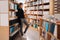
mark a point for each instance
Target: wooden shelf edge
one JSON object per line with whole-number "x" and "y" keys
{"x": 40, "y": 10}
{"x": 49, "y": 33}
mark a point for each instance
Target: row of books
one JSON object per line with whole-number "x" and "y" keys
{"x": 35, "y": 12}
{"x": 37, "y": 0}
{"x": 45, "y": 13}
{"x": 11, "y": 14}
{"x": 49, "y": 26}
{"x": 13, "y": 6}
{"x": 34, "y": 23}
{"x": 38, "y": 7}
{"x": 57, "y": 16}
{"x": 31, "y": 0}
{"x": 46, "y": 1}
{"x": 34, "y": 3}
{"x": 57, "y": 6}
{"x": 30, "y": 16}
{"x": 38, "y": 12}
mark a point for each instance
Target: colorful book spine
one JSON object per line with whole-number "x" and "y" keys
{"x": 47, "y": 26}
{"x": 35, "y": 25}
{"x": 15, "y": 6}
{"x": 52, "y": 27}
{"x": 12, "y": 29}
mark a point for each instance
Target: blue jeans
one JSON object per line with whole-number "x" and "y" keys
{"x": 23, "y": 20}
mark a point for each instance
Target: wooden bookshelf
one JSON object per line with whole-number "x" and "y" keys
{"x": 51, "y": 11}
{"x": 13, "y": 25}
{"x": 56, "y": 23}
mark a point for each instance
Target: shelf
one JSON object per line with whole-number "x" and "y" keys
{"x": 11, "y": 10}
{"x": 30, "y": 18}
{"x": 49, "y": 20}
{"x": 35, "y": 14}
{"x": 14, "y": 2}
{"x": 12, "y": 18}
{"x": 52, "y": 35}
{"x": 49, "y": 33}
{"x": 29, "y": 2}
{"x": 39, "y": 4}
{"x": 40, "y": 10}
{"x": 14, "y": 24}
{"x": 12, "y": 34}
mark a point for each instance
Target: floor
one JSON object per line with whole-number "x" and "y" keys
{"x": 30, "y": 35}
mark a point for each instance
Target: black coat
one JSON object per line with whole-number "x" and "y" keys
{"x": 20, "y": 13}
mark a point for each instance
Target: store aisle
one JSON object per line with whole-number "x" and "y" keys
{"x": 30, "y": 35}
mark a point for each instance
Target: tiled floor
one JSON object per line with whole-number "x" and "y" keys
{"x": 30, "y": 35}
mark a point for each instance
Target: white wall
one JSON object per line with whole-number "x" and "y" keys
{"x": 4, "y": 25}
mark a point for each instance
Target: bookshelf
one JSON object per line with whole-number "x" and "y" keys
{"x": 44, "y": 27}
{"x": 32, "y": 6}
{"x": 36, "y": 9}
{"x": 13, "y": 24}
{"x": 44, "y": 10}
